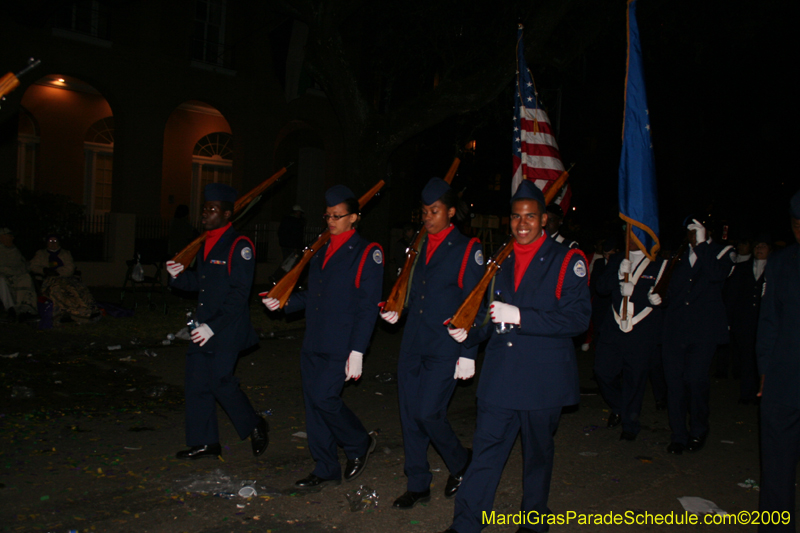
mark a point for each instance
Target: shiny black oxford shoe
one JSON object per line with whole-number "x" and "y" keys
{"x": 259, "y": 438}
{"x": 198, "y": 452}
{"x": 675, "y": 448}
{"x": 614, "y": 420}
{"x": 313, "y": 481}
{"x": 627, "y": 435}
{"x": 410, "y": 499}
{"x": 696, "y": 444}
{"x": 454, "y": 481}
{"x": 356, "y": 466}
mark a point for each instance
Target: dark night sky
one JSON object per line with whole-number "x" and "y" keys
{"x": 718, "y": 82}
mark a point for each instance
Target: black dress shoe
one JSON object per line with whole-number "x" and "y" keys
{"x": 661, "y": 405}
{"x": 410, "y": 499}
{"x": 454, "y": 481}
{"x": 614, "y": 420}
{"x": 675, "y": 448}
{"x": 313, "y": 481}
{"x": 627, "y": 435}
{"x": 356, "y": 466}
{"x": 696, "y": 444}
{"x": 259, "y": 438}
{"x": 198, "y": 452}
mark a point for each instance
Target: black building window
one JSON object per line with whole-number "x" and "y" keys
{"x": 208, "y": 39}
{"x": 86, "y": 17}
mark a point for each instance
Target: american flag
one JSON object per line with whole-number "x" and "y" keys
{"x": 535, "y": 150}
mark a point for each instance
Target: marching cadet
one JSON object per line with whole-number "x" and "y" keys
{"x": 694, "y": 325}
{"x": 530, "y": 372}
{"x": 224, "y": 276}
{"x": 555, "y": 217}
{"x": 341, "y": 304}
{"x": 626, "y": 346}
{"x": 778, "y": 352}
{"x": 447, "y": 268}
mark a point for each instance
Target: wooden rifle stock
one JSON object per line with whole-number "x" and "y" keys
{"x": 10, "y": 81}
{"x": 465, "y": 315}
{"x": 283, "y": 289}
{"x": 397, "y": 297}
{"x": 663, "y": 283}
{"x": 187, "y": 255}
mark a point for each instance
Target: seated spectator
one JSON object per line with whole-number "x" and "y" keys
{"x": 16, "y": 286}
{"x": 71, "y": 298}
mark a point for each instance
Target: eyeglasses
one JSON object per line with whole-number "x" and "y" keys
{"x": 335, "y": 218}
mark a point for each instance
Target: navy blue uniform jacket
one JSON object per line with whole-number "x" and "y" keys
{"x": 534, "y": 366}
{"x": 778, "y": 342}
{"x": 435, "y": 296}
{"x": 340, "y": 317}
{"x": 742, "y": 295}
{"x": 695, "y": 312}
{"x": 223, "y": 298}
{"x": 647, "y": 330}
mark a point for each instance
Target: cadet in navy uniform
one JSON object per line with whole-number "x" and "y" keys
{"x": 531, "y": 372}
{"x": 447, "y": 268}
{"x": 555, "y": 218}
{"x": 742, "y": 292}
{"x": 341, "y": 304}
{"x": 224, "y": 276}
{"x": 625, "y": 347}
{"x": 694, "y": 325}
{"x": 778, "y": 352}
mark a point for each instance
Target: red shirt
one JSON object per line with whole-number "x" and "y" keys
{"x": 212, "y": 236}
{"x": 435, "y": 240}
{"x": 336, "y": 242}
{"x": 523, "y": 254}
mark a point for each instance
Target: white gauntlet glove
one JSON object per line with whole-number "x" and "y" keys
{"x": 465, "y": 368}
{"x": 699, "y": 230}
{"x": 653, "y": 298}
{"x": 390, "y": 317}
{"x": 273, "y": 304}
{"x": 174, "y": 268}
{"x": 353, "y": 366}
{"x": 505, "y": 313}
{"x": 459, "y": 334}
{"x": 625, "y": 267}
{"x": 201, "y": 334}
{"x": 626, "y": 288}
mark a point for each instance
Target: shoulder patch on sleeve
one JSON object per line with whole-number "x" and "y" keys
{"x": 247, "y": 253}
{"x": 479, "y": 257}
{"x": 579, "y": 269}
{"x": 377, "y": 256}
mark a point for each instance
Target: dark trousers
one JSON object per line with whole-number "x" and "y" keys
{"x": 621, "y": 368}
{"x": 426, "y": 385}
{"x": 743, "y": 348}
{"x": 329, "y": 422}
{"x": 656, "y": 373}
{"x": 209, "y": 379}
{"x": 780, "y": 452}
{"x": 687, "y": 368}
{"x": 495, "y": 433}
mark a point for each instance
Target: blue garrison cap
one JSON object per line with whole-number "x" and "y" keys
{"x": 219, "y": 192}
{"x": 795, "y": 203}
{"x": 434, "y": 189}
{"x": 528, "y": 191}
{"x": 337, "y": 194}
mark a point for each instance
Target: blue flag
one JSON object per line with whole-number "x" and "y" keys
{"x": 638, "y": 197}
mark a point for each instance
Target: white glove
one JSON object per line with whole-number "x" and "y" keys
{"x": 626, "y": 288}
{"x": 699, "y": 230}
{"x": 272, "y": 303}
{"x": 653, "y": 298}
{"x": 459, "y": 334}
{"x": 174, "y": 268}
{"x": 625, "y": 267}
{"x": 353, "y": 366}
{"x": 201, "y": 334}
{"x": 465, "y": 368}
{"x": 390, "y": 317}
{"x": 506, "y": 313}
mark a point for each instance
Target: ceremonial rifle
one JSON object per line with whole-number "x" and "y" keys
{"x": 10, "y": 81}
{"x": 465, "y": 316}
{"x": 187, "y": 255}
{"x": 397, "y": 298}
{"x": 283, "y": 289}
